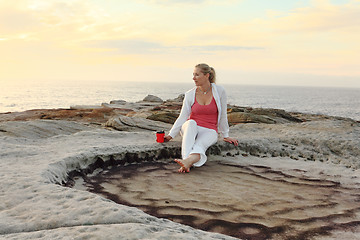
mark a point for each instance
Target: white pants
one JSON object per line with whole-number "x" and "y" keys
{"x": 196, "y": 139}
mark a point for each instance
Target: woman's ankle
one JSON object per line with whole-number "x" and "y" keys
{"x": 193, "y": 158}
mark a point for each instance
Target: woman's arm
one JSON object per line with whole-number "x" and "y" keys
{"x": 167, "y": 138}
{"x": 232, "y": 140}
{"x": 184, "y": 115}
{"x": 223, "y": 123}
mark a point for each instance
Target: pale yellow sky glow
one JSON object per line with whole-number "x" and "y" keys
{"x": 309, "y": 42}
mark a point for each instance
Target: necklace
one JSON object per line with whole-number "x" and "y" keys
{"x": 205, "y": 92}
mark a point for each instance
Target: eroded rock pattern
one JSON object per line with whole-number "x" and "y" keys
{"x": 244, "y": 201}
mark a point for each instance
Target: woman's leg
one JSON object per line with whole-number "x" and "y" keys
{"x": 196, "y": 140}
{"x": 189, "y": 132}
{"x": 205, "y": 138}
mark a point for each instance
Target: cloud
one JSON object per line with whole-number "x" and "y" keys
{"x": 187, "y": 3}
{"x": 49, "y": 19}
{"x": 128, "y": 46}
{"x": 15, "y": 18}
{"x": 178, "y": 1}
{"x": 219, "y": 48}
{"x": 11, "y": 22}
{"x": 138, "y": 46}
{"x": 321, "y": 38}
{"x": 172, "y": 2}
{"x": 321, "y": 16}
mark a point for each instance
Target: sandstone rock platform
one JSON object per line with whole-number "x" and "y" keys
{"x": 296, "y": 177}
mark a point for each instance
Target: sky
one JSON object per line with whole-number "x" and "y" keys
{"x": 253, "y": 42}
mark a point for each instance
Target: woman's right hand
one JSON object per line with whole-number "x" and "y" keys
{"x": 167, "y": 138}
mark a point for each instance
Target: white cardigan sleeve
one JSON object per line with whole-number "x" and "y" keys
{"x": 223, "y": 125}
{"x": 184, "y": 114}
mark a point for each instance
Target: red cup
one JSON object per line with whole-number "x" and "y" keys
{"x": 160, "y": 136}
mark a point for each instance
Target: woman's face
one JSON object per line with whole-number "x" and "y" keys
{"x": 200, "y": 78}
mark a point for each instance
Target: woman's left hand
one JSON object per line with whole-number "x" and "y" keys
{"x": 167, "y": 138}
{"x": 232, "y": 140}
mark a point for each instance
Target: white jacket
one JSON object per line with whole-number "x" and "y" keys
{"x": 221, "y": 103}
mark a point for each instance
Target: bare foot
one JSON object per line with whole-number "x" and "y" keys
{"x": 181, "y": 170}
{"x": 187, "y": 163}
{"x": 184, "y": 167}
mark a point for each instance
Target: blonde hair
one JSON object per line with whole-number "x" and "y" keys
{"x": 205, "y": 69}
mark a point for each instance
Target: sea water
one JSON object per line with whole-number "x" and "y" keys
{"x": 344, "y": 102}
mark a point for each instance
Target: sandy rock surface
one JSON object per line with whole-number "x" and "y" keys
{"x": 33, "y": 206}
{"x": 40, "y": 149}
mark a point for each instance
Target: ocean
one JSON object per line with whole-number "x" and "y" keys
{"x": 343, "y": 102}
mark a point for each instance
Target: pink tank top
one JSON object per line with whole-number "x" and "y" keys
{"x": 205, "y": 115}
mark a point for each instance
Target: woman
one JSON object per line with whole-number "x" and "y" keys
{"x": 202, "y": 116}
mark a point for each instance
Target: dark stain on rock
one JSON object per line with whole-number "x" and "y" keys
{"x": 274, "y": 204}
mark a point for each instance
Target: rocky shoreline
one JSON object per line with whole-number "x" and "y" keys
{"x": 277, "y": 132}
{"x": 46, "y": 146}
{"x": 151, "y": 108}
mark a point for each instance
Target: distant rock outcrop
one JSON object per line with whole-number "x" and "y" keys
{"x": 152, "y": 98}
{"x": 180, "y": 98}
{"x": 119, "y": 102}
